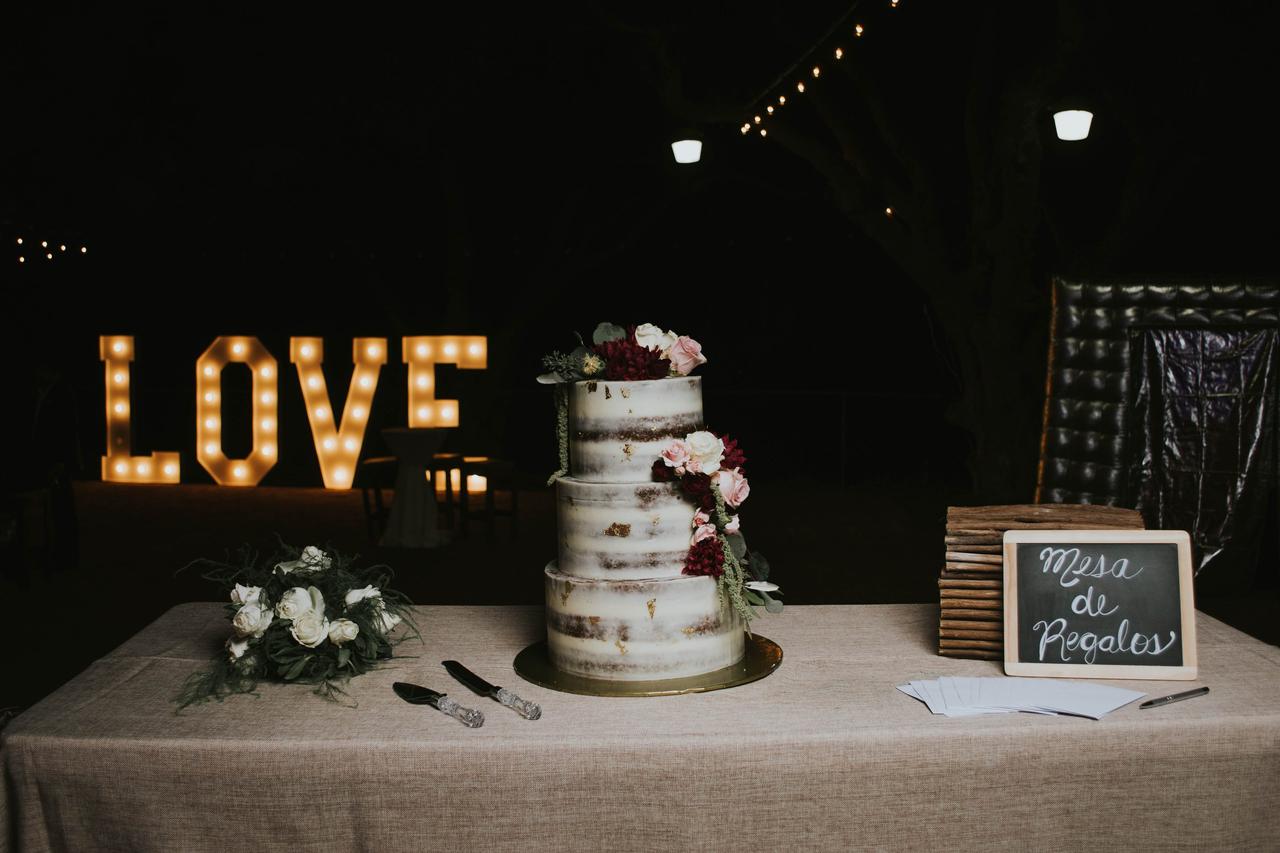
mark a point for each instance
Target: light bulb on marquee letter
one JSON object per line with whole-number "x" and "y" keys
{"x": 116, "y": 351}
{"x": 422, "y": 354}
{"x": 338, "y": 448}
{"x": 250, "y": 351}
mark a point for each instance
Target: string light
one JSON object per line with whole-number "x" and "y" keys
{"x": 118, "y": 465}
{"x": 859, "y": 30}
{"x": 468, "y": 353}
{"x": 888, "y": 211}
{"x": 338, "y": 447}
{"x": 19, "y": 241}
{"x": 226, "y": 350}
{"x": 764, "y": 132}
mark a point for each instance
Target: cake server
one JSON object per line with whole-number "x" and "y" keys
{"x": 501, "y": 695}
{"x": 415, "y": 694}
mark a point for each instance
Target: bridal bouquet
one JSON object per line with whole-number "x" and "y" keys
{"x": 306, "y": 616}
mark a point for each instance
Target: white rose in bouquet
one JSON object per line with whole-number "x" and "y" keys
{"x": 343, "y": 631}
{"x": 312, "y": 559}
{"x": 310, "y": 629}
{"x": 387, "y": 621}
{"x": 294, "y": 603}
{"x": 382, "y": 619}
{"x": 251, "y": 620}
{"x": 246, "y": 595}
{"x": 355, "y": 596}
{"x": 236, "y": 648}
{"x": 705, "y": 452}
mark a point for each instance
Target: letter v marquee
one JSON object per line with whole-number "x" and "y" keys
{"x": 338, "y": 449}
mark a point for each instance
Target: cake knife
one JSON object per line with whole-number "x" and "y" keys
{"x": 417, "y": 695}
{"x": 501, "y": 695}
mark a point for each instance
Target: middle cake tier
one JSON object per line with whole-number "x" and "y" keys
{"x": 622, "y": 531}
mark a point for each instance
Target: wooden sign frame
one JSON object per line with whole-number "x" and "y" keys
{"x": 1186, "y": 596}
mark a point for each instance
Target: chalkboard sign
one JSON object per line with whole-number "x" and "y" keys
{"x": 1099, "y": 604}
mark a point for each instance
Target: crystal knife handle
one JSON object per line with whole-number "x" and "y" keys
{"x": 528, "y": 710}
{"x": 467, "y": 716}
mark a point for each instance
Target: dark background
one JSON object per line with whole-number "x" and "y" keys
{"x": 289, "y": 171}
{"x": 372, "y": 171}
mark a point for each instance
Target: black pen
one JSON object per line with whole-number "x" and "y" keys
{"x": 1174, "y": 697}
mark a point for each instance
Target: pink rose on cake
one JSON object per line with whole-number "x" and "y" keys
{"x": 686, "y": 354}
{"x": 733, "y": 487}
{"x": 704, "y": 531}
{"x": 676, "y": 454}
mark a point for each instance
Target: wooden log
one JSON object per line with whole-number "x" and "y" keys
{"x": 949, "y": 603}
{"x": 1045, "y": 513}
{"x": 972, "y": 547}
{"x": 970, "y": 557}
{"x": 974, "y": 567}
{"x": 993, "y": 542}
{"x": 961, "y": 574}
{"x": 971, "y": 624}
{"x": 989, "y": 594}
{"x": 953, "y": 634}
{"x": 955, "y": 611}
{"x": 984, "y": 583}
{"x": 971, "y": 644}
{"x": 982, "y": 534}
{"x": 971, "y": 654}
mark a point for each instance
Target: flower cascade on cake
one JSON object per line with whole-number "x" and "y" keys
{"x": 616, "y": 353}
{"x": 709, "y": 469}
{"x": 308, "y": 616}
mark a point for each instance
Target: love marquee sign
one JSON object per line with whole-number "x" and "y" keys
{"x": 338, "y": 437}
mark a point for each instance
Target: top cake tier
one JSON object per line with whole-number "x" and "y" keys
{"x": 618, "y": 429}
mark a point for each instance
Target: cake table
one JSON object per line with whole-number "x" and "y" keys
{"x": 823, "y": 754}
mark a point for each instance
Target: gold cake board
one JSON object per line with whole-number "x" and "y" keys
{"x": 762, "y": 657}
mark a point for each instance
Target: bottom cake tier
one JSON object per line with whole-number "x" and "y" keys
{"x": 639, "y": 630}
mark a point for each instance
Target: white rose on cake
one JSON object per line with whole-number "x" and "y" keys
{"x": 705, "y": 452}
{"x": 652, "y": 337}
{"x": 343, "y": 631}
{"x": 251, "y": 620}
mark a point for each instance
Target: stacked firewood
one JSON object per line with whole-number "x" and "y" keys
{"x": 971, "y": 587}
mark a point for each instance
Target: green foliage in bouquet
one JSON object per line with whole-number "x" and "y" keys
{"x": 306, "y": 616}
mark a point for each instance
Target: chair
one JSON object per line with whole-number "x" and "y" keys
{"x": 499, "y": 474}
{"x": 1084, "y": 448}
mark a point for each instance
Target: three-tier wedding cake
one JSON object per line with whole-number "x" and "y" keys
{"x": 639, "y": 590}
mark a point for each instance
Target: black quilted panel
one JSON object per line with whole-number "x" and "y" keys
{"x": 1083, "y": 447}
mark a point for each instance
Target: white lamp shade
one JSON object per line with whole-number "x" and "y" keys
{"x": 687, "y": 150}
{"x": 1072, "y": 125}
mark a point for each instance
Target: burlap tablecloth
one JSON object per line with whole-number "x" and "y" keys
{"x": 824, "y": 754}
